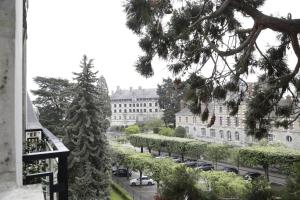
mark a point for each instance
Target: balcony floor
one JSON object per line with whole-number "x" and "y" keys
{"x": 9, "y": 191}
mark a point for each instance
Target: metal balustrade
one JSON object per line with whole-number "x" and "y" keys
{"x": 54, "y": 150}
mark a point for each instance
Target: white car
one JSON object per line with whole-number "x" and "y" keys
{"x": 145, "y": 181}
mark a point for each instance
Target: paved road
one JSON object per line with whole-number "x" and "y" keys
{"x": 136, "y": 192}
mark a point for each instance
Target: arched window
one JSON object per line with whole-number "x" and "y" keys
{"x": 229, "y": 136}
{"x": 237, "y": 136}
{"x": 221, "y": 132}
{"x": 212, "y": 133}
{"x": 203, "y": 132}
{"x": 289, "y": 138}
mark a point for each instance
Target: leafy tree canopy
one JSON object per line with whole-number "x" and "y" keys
{"x": 170, "y": 96}
{"x": 53, "y": 97}
{"x": 208, "y": 35}
{"x": 132, "y": 129}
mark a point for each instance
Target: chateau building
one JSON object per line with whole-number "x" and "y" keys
{"x": 231, "y": 129}
{"x": 134, "y": 106}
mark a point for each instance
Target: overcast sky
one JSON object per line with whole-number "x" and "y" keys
{"x": 61, "y": 31}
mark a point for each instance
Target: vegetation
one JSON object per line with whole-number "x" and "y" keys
{"x": 292, "y": 189}
{"x": 175, "y": 180}
{"x": 132, "y": 129}
{"x": 153, "y": 125}
{"x": 216, "y": 152}
{"x": 170, "y": 96}
{"x": 210, "y": 36}
{"x": 267, "y": 156}
{"x": 166, "y": 131}
{"x": 89, "y": 159}
{"x": 180, "y": 132}
{"x": 118, "y": 193}
{"x": 103, "y": 101}
{"x": 53, "y": 97}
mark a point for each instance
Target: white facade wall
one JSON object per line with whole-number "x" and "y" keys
{"x": 128, "y": 110}
{"x": 230, "y": 129}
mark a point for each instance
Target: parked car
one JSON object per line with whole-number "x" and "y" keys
{"x": 122, "y": 173}
{"x": 191, "y": 163}
{"x": 205, "y": 166}
{"x": 231, "y": 169}
{"x": 252, "y": 175}
{"x": 145, "y": 181}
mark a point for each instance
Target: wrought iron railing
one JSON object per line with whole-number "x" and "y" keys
{"x": 51, "y": 165}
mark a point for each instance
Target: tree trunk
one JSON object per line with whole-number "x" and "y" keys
{"x": 142, "y": 149}
{"x": 149, "y": 149}
{"x": 141, "y": 174}
{"x": 182, "y": 157}
{"x": 169, "y": 154}
{"x": 127, "y": 173}
{"x": 159, "y": 152}
{"x": 266, "y": 168}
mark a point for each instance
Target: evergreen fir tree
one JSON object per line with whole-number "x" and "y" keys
{"x": 104, "y": 100}
{"x": 89, "y": 161}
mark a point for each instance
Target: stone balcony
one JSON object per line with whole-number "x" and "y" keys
{"x": 9, "y": 190}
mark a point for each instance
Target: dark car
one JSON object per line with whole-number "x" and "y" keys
{"x": 205, "y": 166}
{"x": 122, "y": 173}
{"x": 231, "y": 169}
{"x": 191, "y": 163}
{"x": 252, "y": 175}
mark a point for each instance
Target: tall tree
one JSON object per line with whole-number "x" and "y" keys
{"x": 89, "y": 160}
{"x": 53, "y": 97}
{"x": 208, "y": 35}
{"x": 169, "y": 99}
{"x": 104, "y": 100}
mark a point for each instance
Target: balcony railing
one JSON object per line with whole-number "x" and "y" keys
{"x": 50, "y": 153}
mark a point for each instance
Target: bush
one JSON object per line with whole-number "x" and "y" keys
{"x": 120, "y": 191}
{"x": 132, "y": 129}
{"x": 180, "y": 132}
{"x": 153, "y": 123}
{"x": 156, "y": 130}
{"x": 166, "y": 131}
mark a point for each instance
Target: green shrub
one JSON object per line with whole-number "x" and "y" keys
{"x": 166, "y": 131}
{"x": 120, "y": 191}
{"x": 132, "y": 129}
{"x": 156, "y": 130}
{"x": 180, "y": 132}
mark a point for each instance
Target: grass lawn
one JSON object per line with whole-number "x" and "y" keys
{"x": 114, "y": 195}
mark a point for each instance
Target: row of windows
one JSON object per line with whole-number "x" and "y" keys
{"x": 271, "y": 138}
{"x": 212, "y": 133}
{"x": 228, "y": 121}
{"x": 136, "y": 110}
{"x": 136, "y": 105}
{"x": 125, "y": 117}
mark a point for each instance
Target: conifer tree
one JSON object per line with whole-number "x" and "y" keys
{"x": 104, "y": 100}
{"x": 89, "y": 160}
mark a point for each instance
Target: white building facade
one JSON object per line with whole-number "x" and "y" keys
{"x": 231, "y": 129}
{"x": 134, "y": 106}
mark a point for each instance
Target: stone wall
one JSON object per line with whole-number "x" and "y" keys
{"x": 7, "y": 85}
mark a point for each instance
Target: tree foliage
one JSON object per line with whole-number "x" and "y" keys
{"x": 180, "y": 132}
{"x": 267, "y": 156}
{"x": 292, "y": 189}
{"x": 209, "y": 36}
{"x": 103, "y": 100}
{"x": 132, "y": 129}
{"x": 89, "y": 159}
{"x": 170, "y": 95}
{"x": 53, "y": 97}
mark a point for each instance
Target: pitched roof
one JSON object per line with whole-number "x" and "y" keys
{"x": 32, "y": 121}
{"x": 134, "y": 93}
